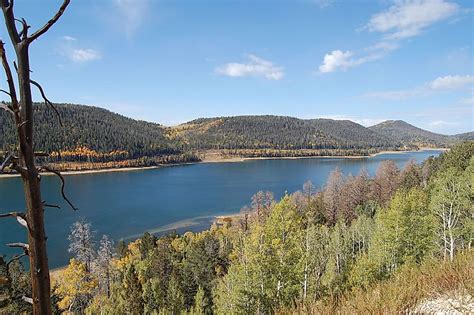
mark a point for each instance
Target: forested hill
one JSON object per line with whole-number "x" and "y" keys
{"x": 408, "y": 134}
{"x": 95, "y": 134}
{"x": 90, "y": 127}
{"x": 465, "y": 136}
{"x": 278, "y": 132}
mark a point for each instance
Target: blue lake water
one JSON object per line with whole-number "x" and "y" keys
{"x": 185, "y": 197}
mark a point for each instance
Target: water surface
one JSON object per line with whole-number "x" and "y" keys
{"x": 186, "y": 197}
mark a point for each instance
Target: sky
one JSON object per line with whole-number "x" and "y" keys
{"x": 173, "y": 61}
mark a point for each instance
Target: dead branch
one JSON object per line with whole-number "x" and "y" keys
{"x": 10, "y": 214}
{"x": 14, "y": 258}
{"x": 7, "y": 93}
{"x": 6, "y": 162}
{"x": 27, "y": 299}
{"x": 19, "y": 216}
{"x": 11, "y": 161}
{"x": 47, "y": 205}
{"x": 22, "y": 124}
{"x": 8, "y": 73}
{"x": 63, "y": 183}
{"x": 24, "y": 31}
{"x": 46, "y": 100}
{"x": 7, "y": 8}
{"x": 24, "y": 246}
{"x": 6, "y": 108}
{"x": 42, "y": 154}
{"x": 50, "y": 23}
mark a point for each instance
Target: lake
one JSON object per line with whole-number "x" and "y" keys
{"x": 124, "y": 205}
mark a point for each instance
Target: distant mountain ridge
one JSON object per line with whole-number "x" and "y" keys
{"x": 278, "y": 132}
{"x": 407, "y": 134}
{"x": 103, "y": 131}
{"x": 465, "y": 136}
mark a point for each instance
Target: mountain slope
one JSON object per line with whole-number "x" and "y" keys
{"x": 114, "y": 137}
{"x": 278, "y": 132}
{"x": 92, "y": 127}
{"x": 465, "y": 136}
{"x": 411, "y": 135}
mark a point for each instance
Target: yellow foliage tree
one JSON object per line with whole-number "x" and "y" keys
{"x": 75, "y": 286}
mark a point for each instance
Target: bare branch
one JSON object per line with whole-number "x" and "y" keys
{"x": 10, "y": 214}
{"x": 27, "y": 299}
{"x": 46, "y": 100}
{"x": 8, "y": 73}
{"x": 7, "y": 8}
{"x": 24, "y": 246}
{"x": 50, "y": 23}
{"x": 6, "y": 162}
{"x": 7, "y": 93}
{"x": 24, "y": 31}
{"x": 42, "y": 154}
{"x": 63, "y": 183}
{"x": 5, "y": 107}
{"x": 11, "y": 161}
{"x": 16, "y": 257}
{"x": 19, "y": 216}
{"x": 22, "y": 124}
{"x": 47, "y": 205}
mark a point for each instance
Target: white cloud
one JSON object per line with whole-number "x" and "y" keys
{"x": 337, "y": 59}
{"x": 451, "y": 82}
{"x": 82, "y": 55}
{"x": 405, "y": 19}
{"x": 410, "y": 17}
{"x": 323, "y": 3}
{"x": 69, "y": 47}
{"x": 68, "y": 38}
{"x": 383, "y": 46}
{"x": 255, "y": 66}
{"x": 334, "y": 60}
{"x": 131, "y": 14}
{"x": 446, "y": 83}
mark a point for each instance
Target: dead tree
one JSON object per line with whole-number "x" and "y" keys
{"x": 23, "y": 161}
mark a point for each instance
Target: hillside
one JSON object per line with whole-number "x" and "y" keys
{"x": 465, "y": 136}
{"x": 411, "y": 135}
{"x": 278, "y": 132}
{"x": 92, "y": 134}
{"x": 91, "y": 127}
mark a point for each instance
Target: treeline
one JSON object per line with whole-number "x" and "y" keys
{"x": 280, "y": 133}
{"x": 106, "y": 135}
{"x": 272, "y": 153}
{"x": 411, "y": 135}
{"x": 95, "y": 135}
{"x": 139, "y": 162}
{"x": 92, "y": 135}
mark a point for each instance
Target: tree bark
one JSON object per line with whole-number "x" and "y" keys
{"x": 39, "y": 269}
{"x": 22, "y": 109}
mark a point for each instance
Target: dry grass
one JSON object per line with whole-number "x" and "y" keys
{"x": 406, "y": 289}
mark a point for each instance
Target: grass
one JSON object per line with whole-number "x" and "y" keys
{"x": 407, "y": 288}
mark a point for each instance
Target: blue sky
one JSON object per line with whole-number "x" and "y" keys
{"x": 173, "y": 61}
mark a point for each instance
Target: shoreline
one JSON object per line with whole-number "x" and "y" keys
{"x": 226, "y": 160}
{"x": 181, "y": 224}
{"x": 243, "y": 159}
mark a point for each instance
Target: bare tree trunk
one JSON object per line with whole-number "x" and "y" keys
{"x": 22, "y": 110}
{"x": 39, "y": 269}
